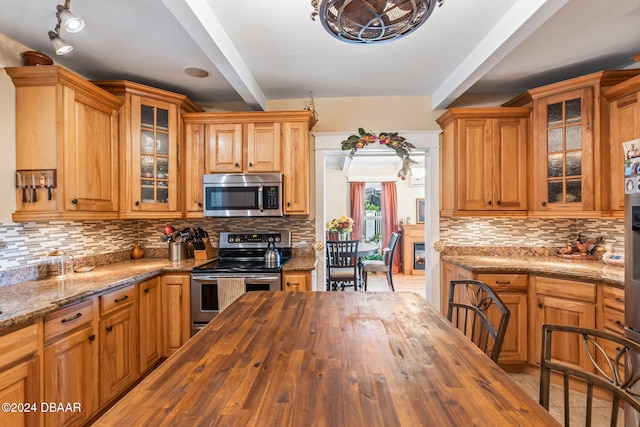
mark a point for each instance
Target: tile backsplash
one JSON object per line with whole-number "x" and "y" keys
{"x": 26, "y": 244}
{"x": 530, "y": 232}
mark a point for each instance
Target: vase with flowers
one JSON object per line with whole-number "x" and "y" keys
{"x": 342, "y": 226}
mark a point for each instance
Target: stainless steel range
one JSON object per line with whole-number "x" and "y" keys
{"x": 241, "y": 256}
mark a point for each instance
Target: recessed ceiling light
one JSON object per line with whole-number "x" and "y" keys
{"x": 196, "y": 72}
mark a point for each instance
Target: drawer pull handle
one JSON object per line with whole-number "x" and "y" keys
{"x": 121, "y": 299}
{"x": 92, "y": 337}
{"x": 498, "y": 282}
{"x": 109, "y": 328}
{"x": 71, "y": 319}
{"x": 618, "y": 299}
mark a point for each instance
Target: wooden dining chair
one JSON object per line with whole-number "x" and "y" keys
{"x": 342, "y": 264}
{"x": 479, "y": 313}
{"x": 614, "y": 368}
{"x": 385, "y": 266}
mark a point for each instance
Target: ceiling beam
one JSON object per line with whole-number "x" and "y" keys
{"x": 524, "y": 17}
{"x": 199, "y": 21}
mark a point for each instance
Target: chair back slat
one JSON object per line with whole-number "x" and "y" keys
{"x": 615, "y": 368}
{"x": 472, "y": 306}
{"x": 341, "y": 255}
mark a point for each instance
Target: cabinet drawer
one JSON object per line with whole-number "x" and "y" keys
{"x": 613, "y": 297}
{"x": 505, "y": 282}
{"x": 18, "y": 344}
{"x": 116, "y": 299}
{"x": 561, "y": 288}
{"x": 613, "y": 320}
{"x": 68, "y": 319}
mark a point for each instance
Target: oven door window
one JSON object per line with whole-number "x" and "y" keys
{"x": 231, "y": 198}
{"x": 209, "y": 299}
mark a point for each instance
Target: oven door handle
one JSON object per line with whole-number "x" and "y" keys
{"x": 260, "y": 204}
{"x": 252, "y": 278}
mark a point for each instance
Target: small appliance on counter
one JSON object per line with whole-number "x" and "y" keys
{"x": 242, "y": 255}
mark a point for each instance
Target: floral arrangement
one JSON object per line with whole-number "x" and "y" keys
{"x": 389, "y": 139}
{"x": 343, "y": 224}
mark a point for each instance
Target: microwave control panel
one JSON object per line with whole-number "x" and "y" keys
{"x": 271, "y": 197}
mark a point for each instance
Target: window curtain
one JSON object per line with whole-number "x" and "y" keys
{"x": 389, "y": 202}
{"x": 356, "y": 195}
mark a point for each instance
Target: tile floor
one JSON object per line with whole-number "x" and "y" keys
{"x": 529, "y": 383}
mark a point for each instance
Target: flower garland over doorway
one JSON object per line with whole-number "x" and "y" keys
{"x": 388, "y": 139}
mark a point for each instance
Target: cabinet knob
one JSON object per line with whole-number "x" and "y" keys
{"x": 199, "y": 204}
{"x": 543, "y": 203}
{"x": 137, "y": 202}
{"x": 146, "y": 291}
{"x": 288, "y": 284}
{"x": 109, "y": 328}
{"x": 288, "y": 203}
{"x": 250, "y": 164}
{"x": 539, "y": 305}
{"x": 74, "y": 201}
{"x": 489, "y": 203}
{"x": 92, "y": 337}
{"x": 237, "y": 165}
{"x": 498, "y": 203}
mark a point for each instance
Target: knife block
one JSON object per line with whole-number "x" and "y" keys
{"x": 206, "y": 253}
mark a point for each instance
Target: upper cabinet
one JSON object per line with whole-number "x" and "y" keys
{"x": 250, "y": 142}
{"x": 570, "y": 145}
{"x": 484, "y": 161}
{"x": 151, "y": 140}
{"x": 67, "y": 140}
{"x": 624, "y": 125}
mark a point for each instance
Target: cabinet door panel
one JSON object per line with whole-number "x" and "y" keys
{"x": 175, "y": 312}
{"x": 625, "y": 126}
{"x": 475, "y": 160}
{"x": 194, "y": 169}
{"x": 21, "y": 384}
{"x": 71, "y": 375}
{"x": 263, "y": 147}
{"x": 149, "y": 323}
{"x": 514, "y": 346}
{"x": 224, "y": 148}
{"x": 118, "y": 353}
{"x": 296, "y": 168}
{"x": 296, "y": 281}
{"x": 510, "y": 164}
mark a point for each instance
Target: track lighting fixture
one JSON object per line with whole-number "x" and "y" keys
{"x": 71, "y": 23}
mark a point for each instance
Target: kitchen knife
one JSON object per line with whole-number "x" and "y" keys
{"x": 21, "y": 185}
{"x": 49, "y": 195}
{"x": 34, "y": 198}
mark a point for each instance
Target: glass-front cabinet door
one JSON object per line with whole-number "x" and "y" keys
{"x": 564, "y": 152}
{"x": 154, "y": 180}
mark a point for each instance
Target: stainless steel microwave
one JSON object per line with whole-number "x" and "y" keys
{"x": 242, "y": 195}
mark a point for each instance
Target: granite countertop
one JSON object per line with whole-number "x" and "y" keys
{"x": 567, "y": 268}
{"x": 22, "y": 302}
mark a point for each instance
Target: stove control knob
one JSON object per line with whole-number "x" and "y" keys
{"x": 237, "y": 239}
{"x": 230, "y": 239}
{"x": 270, "y": 239}
{"x": 278, "y": 239}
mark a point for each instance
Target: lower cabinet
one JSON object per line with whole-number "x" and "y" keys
{"x": 149, "y": 323}
{"x": 563, "y": 302}
{"x": 20, "y": 376}
{"x": 176, "y": 314}
{"x": 118, "y": 342}
{"x": 451, "y": 272}
{"x": 297, "y": 281}
{"x": 71, "y": 363}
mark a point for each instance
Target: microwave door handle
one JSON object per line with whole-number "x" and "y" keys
{"x": 260, "y": 205}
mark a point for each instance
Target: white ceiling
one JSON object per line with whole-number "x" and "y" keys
{"x": 261, "y": 50}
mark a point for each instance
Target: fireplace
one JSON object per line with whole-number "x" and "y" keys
{"x": 419, "y": 256}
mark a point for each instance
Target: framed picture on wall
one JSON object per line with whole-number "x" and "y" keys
{"x": 419, "y": 211}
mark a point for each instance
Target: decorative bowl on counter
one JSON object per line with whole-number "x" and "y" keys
{"x": 612, "y": 258}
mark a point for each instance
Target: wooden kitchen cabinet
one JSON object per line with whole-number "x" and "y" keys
{"x": 151, "y": 144}
{"x": 624, "y": 125}
{"x": 149, "y": 323}
{"x": 297, "y": 281}
{"x": 570, "y": 145}
{"x": 118, "y": 338}
{"x": 20, "y": 374}
{"x": 67, "y": 125}
{"x": 71, "y": 363}
{"x": 512, "y": 290}
{"x": 484, "y": 161}
{"x": 250, "y": 142}
{"x": 176, "y": 314}
{"x": 562, "y": 302}
{"x": 451, "y": 272}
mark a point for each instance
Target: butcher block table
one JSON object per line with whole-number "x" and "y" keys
{"x": 328, "y": 359}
